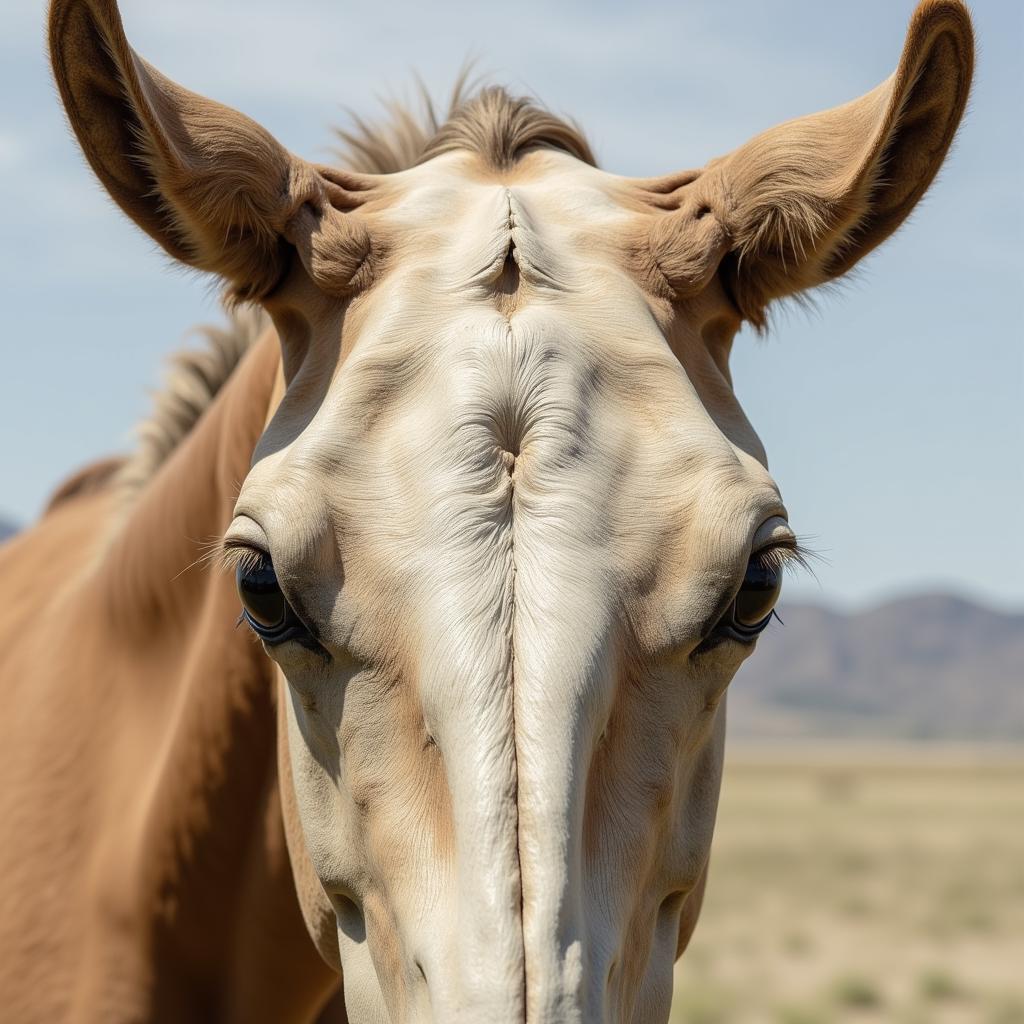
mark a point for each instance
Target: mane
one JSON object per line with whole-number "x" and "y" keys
{"x": 486, "y": 121}
{"x": 193, "y": 379}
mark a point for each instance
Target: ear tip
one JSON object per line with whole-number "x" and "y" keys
{"x": 942, "y": 31}
{"x": 56, "y": 19}
{"x": 63, "y": 14}
{"x": 106, "y": 12}
{"x": 100, "y": 6}
{"x": 932, "y": 17}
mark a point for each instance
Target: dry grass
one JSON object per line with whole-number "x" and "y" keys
{"x": 860, "y": 886}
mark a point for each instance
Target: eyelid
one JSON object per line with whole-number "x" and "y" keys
{"x": 245, "y": 532}
{"x": 773, "y": 533}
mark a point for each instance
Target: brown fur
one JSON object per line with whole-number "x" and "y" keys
{"x": 501, "y": 128}
{"x": 800, "y": 204}
{"x": 161, "y": 888}
{"x": 97, "y": 476}
{"x": 487, "y": 121}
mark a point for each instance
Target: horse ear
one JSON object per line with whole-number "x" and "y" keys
{"x": 215, "y": 189}
{"x": 803, "y": 202}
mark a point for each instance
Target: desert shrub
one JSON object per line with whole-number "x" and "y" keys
{"x": 856, "y": 992}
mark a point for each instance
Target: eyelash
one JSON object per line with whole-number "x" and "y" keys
{"x": 233, "y": 557}
{"x": 776, "y": 559}
{"x": 786, "y": 558}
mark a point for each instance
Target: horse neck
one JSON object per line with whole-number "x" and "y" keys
{"x": 159, "y": 560}
{"x": 212, "y": 878}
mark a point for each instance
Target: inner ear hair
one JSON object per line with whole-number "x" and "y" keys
{"x": 806, "y": 200}
{"x": 688, "y": 244}
{"x": 211, "y": 186}
{"x": 334, "y": 248}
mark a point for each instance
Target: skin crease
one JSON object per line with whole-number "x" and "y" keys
{"x": 491, "y": 446}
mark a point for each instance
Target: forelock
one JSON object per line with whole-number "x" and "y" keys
{"x": 488, "y": 122}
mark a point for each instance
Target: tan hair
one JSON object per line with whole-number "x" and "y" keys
{"x": 487, "y": 121}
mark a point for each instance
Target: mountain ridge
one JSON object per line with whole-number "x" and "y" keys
{"x": 919, "y": 667}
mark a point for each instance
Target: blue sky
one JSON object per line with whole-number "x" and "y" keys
{"x": 892, "y": 414}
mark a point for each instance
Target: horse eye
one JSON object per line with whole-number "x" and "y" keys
{"x": 761, "y": 587}
{"x": 262, "y": 600}
{"x": 747, "y": 615}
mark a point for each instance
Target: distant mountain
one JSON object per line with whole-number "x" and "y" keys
{"x": 7, "y": 529}
{"x": 927, "y": 667}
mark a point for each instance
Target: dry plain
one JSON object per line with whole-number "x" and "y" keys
{"x": 852, "y": 884}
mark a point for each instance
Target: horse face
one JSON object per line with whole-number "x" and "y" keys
{"x": 508, "y": 533}
{"x": 511, "y": 501}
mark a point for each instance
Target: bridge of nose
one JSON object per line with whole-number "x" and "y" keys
{"x": 525, "y": 678}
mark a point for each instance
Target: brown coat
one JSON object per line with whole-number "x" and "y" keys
{"x": 144, "y": 723}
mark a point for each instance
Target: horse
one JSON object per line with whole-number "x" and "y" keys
{"x": 438, "y": 717}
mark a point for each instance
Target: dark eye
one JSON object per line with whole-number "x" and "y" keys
{"x": 264, "y": 605}
{"x": 751, "y": 609}
{"x": 262, "y": 600}
{"x": 758, "y": 594}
